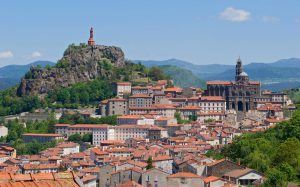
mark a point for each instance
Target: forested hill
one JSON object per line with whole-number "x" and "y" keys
{"x": 182, "y": 77}
{"x": 275, "y": 152}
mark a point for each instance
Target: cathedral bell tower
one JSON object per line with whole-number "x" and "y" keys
{"x": 238, "y": 69}
{"x": 240, "y": 76}
{"x": 91, "y": 41}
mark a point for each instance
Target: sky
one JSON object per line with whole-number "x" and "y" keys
{"x": 198, "y": 31}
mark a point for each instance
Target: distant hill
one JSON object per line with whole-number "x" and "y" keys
{"x": 283, "y": 73}
{"x": 11, "y": 75}
{"x": 182, "y": 77}
{"x": 202, "y": 71}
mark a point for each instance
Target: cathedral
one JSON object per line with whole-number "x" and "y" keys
{"x": 241, "y": 94}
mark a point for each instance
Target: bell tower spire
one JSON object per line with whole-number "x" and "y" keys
{"x": 91, "y": 41}
{"x": 238, "y": 68}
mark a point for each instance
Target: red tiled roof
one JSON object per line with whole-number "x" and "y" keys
{"x": 89, "y": 126}
{"x": 124, "y": 83}
{"x": 41, "y": 134}
{"x": 212, "y": 98}
{"x": 218, "y": 82}
{"x": 211, "y": 179}
{"x": 184, "y": 175}
{"x": 139, "y": 96}
{"x": 216, "y": 162}
{"x": 174, "y": 89}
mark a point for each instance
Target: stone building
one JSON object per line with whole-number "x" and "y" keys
{"x": 114, "y": 106}
{"x": 239, "y": 94}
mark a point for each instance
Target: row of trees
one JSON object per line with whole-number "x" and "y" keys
{"x": 275, "y": 152}
{"x": 78, "y": 119}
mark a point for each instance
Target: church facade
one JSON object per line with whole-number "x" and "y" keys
{"x": 241, "y": 94}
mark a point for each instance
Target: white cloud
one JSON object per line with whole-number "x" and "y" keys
{"x": 270, "y": 19}
{"x": 6, "y": 54}
{"x": 235, "y": 15}
{"x": 36, "y": 54}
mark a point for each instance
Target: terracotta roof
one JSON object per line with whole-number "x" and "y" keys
{"x": 238, "y": 172}
{"x": 89, "y": 126}
{"x": 216, "y": 162}
{"x": 184, "y": 175}
{"x": 139, "y": 96}
{"x": 254, "y": 82}
{"x": 190, "y": 108}
{"x": 38, "y": 180}
{"x": 41, "y": 134}
{"x": 62, "y": 125}
{"x": 117, "y": 99}
{"x": 218, "y": 82}
{"x": 211, "y": 179}
{"x": 130, "y": 117}
{"x": 174, "y": 89}
{"x": 129, "y": 184}
{"x": 88, "y": 178}
{"x": 212, "y": 98}
{"x": 124, "y": 83}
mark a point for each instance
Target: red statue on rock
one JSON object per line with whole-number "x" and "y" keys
{"x": 91, "y": 41}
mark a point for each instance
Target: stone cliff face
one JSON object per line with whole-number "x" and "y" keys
{"x": 79, "y": 64}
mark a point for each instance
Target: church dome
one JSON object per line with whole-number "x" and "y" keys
{"x": 244, "y": 74}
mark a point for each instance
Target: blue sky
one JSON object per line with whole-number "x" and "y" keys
{"x": 202, "y": 32}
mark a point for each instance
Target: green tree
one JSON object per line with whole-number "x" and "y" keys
{"x": 87, "y": 138}
{"x": 75, "y": 138}
{"x": 149, "y": 163}
{"x": 275, "y": 178}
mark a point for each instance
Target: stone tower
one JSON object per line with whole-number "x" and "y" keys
{"x": 238, "y": 69}
{"x": 91, "y": 41}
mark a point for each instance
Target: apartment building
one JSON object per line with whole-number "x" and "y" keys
{"x": 140, "y": 100}
{"x": 28, "y": 137}
{"x": 166, "y": 110}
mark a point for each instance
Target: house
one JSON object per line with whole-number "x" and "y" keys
{"x": 140, "y": 100}
{"x": 243, "y": 177}
{"x": 89, "y": 181}
{"x": 3, "y": 131}
{"x": 154, "y": 177}
{"x": 220, "y": 167}
{"x": 123, "y": 88}
{"x": 122, "y": 176}
{"x": 184, "y": 179}
{"x": 213, "y": 181}
{"x": 129, "y": 184}
{"x": 68, "y": 147}
{"x": 163, "y": 162}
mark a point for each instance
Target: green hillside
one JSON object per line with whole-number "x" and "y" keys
{"x": 182, "y": 77}
{"x": 275, "y": 152}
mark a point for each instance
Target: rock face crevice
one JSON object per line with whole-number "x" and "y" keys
{"x": 78, "y": 64}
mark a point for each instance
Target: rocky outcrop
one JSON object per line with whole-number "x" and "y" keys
{"x": 79, "y": 64}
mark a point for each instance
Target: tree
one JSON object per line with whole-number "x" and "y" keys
{"x": 87, "y": 138}
{"x": 75, "y": 138}
{"x": 275, "y": 178}
{"x": 192, "y": 117}
{"x": 178, "y": 117}
{"x": 149, "y": 163}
